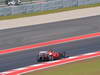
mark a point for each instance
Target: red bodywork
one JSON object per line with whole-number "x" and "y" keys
{"x": 54, "y": 54}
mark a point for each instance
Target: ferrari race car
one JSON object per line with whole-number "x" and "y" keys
{"x": 50, "y": 55}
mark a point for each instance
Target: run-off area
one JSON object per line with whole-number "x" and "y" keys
{"x": 29, "y": 57}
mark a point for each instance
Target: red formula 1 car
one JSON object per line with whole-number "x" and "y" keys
{"x": 50, "y": 55}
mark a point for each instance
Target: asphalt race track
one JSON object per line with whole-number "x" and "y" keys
{"x": 29, "y": 57}
{"x": 34, "y": 34}
{"x": 10, "y": 38}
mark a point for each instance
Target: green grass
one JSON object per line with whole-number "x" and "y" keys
{"x": 84, "y": 67}
{"x": 47, "y": 12}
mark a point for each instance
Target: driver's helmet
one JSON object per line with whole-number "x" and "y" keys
{"x": 50, "y": 52}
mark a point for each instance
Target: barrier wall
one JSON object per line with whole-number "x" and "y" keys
{"x": 29, "y": 8}
{"x": 84, "y": 2}
{"x": 5, "y": 11}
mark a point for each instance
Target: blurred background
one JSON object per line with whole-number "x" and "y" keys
{"x": 19, "y": 2}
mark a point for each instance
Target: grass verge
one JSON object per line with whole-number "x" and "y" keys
{"x": 83, "y": 67}
{"x": 47, "y": 12}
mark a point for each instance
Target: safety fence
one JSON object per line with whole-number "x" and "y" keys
{"x": 43, "y": 6}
